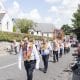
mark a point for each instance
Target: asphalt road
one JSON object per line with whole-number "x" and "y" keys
{"x": 9, "y": 69}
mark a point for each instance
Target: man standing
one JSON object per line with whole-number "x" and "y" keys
{"x": 30, "y": 55}
{"x": 45, "y": 54}
{"x": 55, "y": 50}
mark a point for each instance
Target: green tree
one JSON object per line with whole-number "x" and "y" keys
{"x": 76, "y": 18}
{"x": 24, "y": 25}
{"x": 76, "y": 22}
{"x": 66, "y": 29}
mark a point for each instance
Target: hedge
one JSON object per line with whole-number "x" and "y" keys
{"x": 10, "y": 36}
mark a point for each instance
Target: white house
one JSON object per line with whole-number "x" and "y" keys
{"x": 6, "y": 23}
{"x": 43, "y": 29}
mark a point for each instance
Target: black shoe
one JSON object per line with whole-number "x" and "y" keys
{"x": 54, "y": 61}
{"x": 45, "y": 71}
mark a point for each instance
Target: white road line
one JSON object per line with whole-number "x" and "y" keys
{"x": 4, "y": 67}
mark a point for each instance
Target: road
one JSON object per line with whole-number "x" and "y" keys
{"x": 9, "y": 69}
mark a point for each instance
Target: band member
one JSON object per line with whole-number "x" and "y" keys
{"x": 56, "y": 49}
{"x": 78, "y": 50}
{"x": 30, "y": 55}
{"x": 66, "y": 47}
{"x": 45, "y": 54}
{"x": 14, "y": 47}
{"x": 61, "y": 44}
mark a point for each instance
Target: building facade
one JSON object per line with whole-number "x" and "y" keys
{"x": 42, "y": 29}
{"x": 6, "y": 23}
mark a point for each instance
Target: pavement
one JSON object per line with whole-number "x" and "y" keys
{"x": 57, "y": 71}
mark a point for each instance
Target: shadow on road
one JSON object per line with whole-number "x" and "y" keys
{"x": 41, "y": 69}
{"x": 50, "y": 61}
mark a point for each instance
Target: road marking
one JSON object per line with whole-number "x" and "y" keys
{"x": 4, "y": 67}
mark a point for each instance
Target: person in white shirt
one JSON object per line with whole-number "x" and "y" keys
{"x": 61, "y": 48}
{"x": 67, "y": 46}
{"x": 15, "y": 47}
{"x": 45, "y": 54}
{"x": 56, "y": 50}
{"x": 30, "y": 56}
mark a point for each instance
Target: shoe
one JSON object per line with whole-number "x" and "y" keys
{"x": 54, "y": 61}
{"x": 45, "y": 71}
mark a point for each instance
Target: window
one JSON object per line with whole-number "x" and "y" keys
{"x": 7, "y": 25}
{"x": 32, "y": 32}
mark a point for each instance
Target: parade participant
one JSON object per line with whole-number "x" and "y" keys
{"x": 15, "y": 47}
{"x": 61, "y": 44}
{"x": 45, "y": 54}
{"x": 50, "y": 48}
{"x": 20, "y": 54}
{"x": 36, "y": 43}
{"x": 78, "y": 50}
{"x": 55, "y": 50}
{"x": 30, "y": 55}
{"x": 66, "y": 47}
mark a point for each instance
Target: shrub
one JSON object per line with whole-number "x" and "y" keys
{"x": 9, "y": 36}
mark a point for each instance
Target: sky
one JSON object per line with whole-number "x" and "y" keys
{"x": 57, "y": 12}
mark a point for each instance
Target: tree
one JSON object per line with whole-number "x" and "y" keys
{"x": 76, "y": 18}
{"x": 66, "y": 29}
{"x": 76, "y": 22}
{"x": 14, "y": 29}
{"x": 24, "y": 25}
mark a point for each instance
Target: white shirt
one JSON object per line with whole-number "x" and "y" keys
{"x": 34, "y": 54}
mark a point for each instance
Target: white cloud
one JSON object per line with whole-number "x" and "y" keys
{"x": 64, "y": 11}
{"x": 34, "y": 14}
{"x": 3, "y": 0}
{"x": 61, "y": 13}
{"x": 48, "y": 19}
{"x": 14, "y": 10}
{"x": 53, "y": 9}
{"x": 52, "y": 1}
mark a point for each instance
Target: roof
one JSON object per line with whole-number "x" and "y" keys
{"x": 44, "y": 27}
{"x": 1, "y": 16}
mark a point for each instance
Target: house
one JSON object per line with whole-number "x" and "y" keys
{"x": 42, "y": 29}
{"x": 6, "y": 23}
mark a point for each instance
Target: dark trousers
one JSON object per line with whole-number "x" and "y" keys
{"x": 29, "y": 67}
{"x": 55, "y": 56}
{"x": 61, "y": 52}
{"x": 45, "y": 61}
{"x": 66, "y": 50}
{"x": 15, "y": 48}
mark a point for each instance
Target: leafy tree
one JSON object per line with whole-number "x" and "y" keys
{"x": 76, "y": 22}
{"x": 24, "y": 25}
{"x": 76, "y": 18}
{"x": 66, "y": 29}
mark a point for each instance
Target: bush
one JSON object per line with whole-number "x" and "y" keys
{"x": 9, "y": 36}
